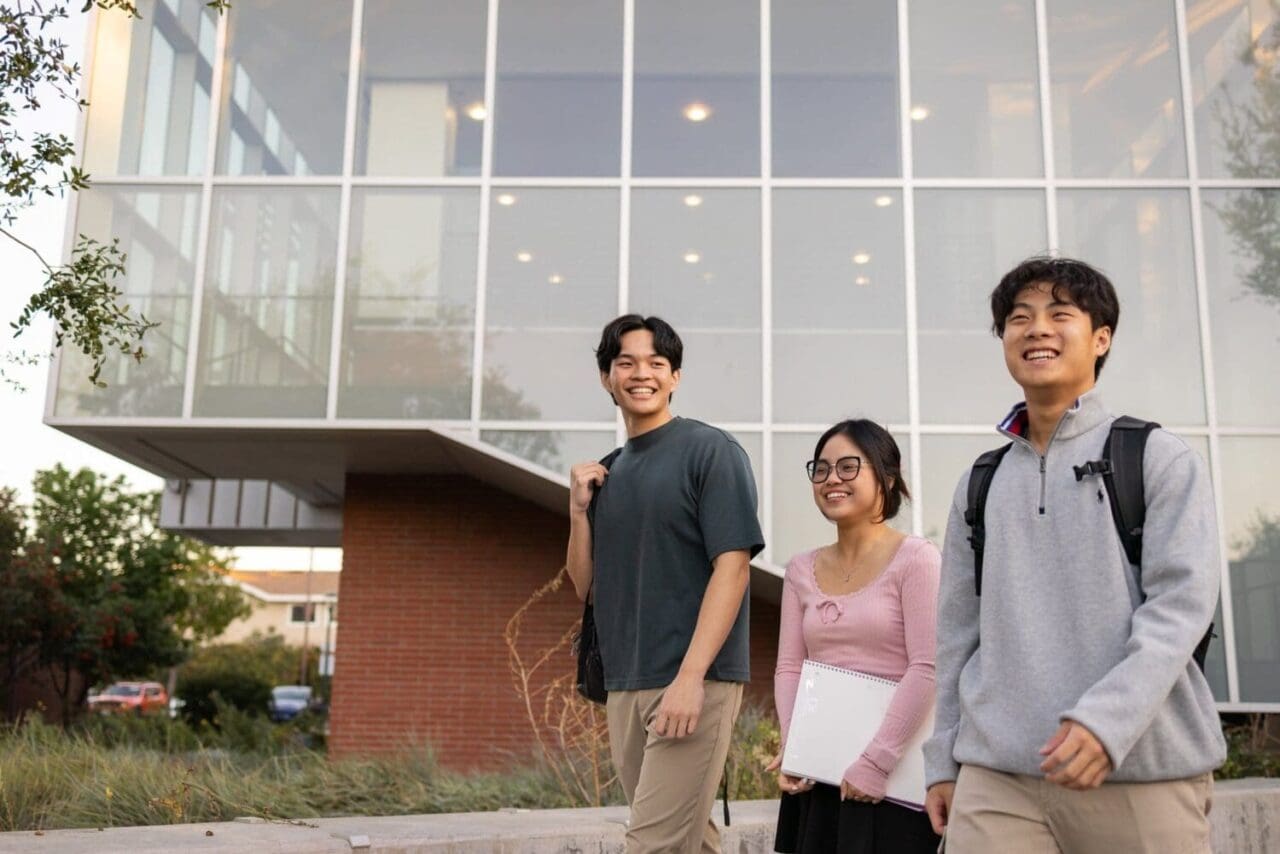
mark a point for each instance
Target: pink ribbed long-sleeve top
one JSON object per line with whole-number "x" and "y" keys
{"x": 885, "y": 629}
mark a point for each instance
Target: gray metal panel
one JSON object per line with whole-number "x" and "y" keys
{"x": 171, "y": 502}
{"x": 311, "y": 517}
{"x": 282, "y": 508}
{"x": 198, "y": 504}
{"x": 226, "y": 504}
{"x": 253, "y": 503}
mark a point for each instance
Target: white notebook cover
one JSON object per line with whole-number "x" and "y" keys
{"x": 836, "y": 714}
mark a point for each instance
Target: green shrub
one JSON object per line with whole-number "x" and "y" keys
{"x": 242, "y": 674}
{"x": 756, "y": 739}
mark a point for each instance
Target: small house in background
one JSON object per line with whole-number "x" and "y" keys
{"x": 286, "y": 603}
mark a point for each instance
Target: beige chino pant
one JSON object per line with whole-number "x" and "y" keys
{"x": 994, "y": 812}
{"x": 671, "y": 783}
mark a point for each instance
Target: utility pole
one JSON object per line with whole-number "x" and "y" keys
{"x": 308, "y": 612}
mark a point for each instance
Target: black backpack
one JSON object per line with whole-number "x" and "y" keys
{"x": 1121, "y": 471}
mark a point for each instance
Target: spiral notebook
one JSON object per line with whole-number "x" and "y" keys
{"x": 836, "y": 714}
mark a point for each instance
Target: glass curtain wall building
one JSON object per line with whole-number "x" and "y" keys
{"x": 378, "y": 214}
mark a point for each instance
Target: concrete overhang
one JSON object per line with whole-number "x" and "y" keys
{"x": 283, "y": 485}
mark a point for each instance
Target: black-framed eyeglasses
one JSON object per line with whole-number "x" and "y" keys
{"x": 847, "y": 468}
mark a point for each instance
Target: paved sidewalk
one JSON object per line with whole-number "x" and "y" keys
{"x": 1246, "y": 820}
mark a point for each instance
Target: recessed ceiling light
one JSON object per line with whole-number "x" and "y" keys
{"x": 476, "y": 111}
{"x": 861, "y": 257}
{"x": 692, "y": 200}
{"x": 884, "y": 201}
{"x": 697, "y": 112}
{"x": 862, "y": 281}
{"x": 555, "y": 278}
{"x": 524, "y": 257}
{"x": 919, "y": 113}
{"x": 506, "y": 199}
{"x": 692, "y": 257}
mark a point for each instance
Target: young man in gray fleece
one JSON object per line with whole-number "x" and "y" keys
{"x": 1070, "y": 714}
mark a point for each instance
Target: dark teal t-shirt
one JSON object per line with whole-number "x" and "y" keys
{"x": 675, "y": 499}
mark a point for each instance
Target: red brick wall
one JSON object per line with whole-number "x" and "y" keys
{"x": 433, "y": 568}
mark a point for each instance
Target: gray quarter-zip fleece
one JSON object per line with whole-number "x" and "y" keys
{"x": 1060, "y": 632}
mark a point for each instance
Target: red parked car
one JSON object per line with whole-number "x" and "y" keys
{"x": 139, "y": 698}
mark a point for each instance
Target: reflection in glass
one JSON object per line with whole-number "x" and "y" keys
{"x": 1236, "y": 81}
{"x": 835, "y": 88}
{"x": 698, "y": 267}
{"x": 798, "y": 525}
{"x": 558, "y": 97}
{"x": 268, "y": 302}
{"x": 839, "y": 317}
{"x": 410, "y": 304}
{"x": 553, "y": 284}
{"x": 974, "y": 87}
{"x": 556, "y": 450}
{"x": 421, "y": 97}
{"x": 284, "y": 91}
{"x": 1142, "y": 240}
{"x": 149, "y": 97}
{"x": 1242, "y": 257}
{"x": 697, "y": 88}
{"x": 1251, "y": 510}
{"x": 1117, "y": 111}
{"x": 967, "y": 240}
{"x": 156, "y": 228}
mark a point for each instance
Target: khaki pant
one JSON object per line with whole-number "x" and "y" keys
{"x": 671, "y": 782}
{"x": 995, "y": 811}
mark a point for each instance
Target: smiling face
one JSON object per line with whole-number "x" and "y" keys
{"x": 847, "y": 500}
{"x": 640, "y": 380}
{"x": 1050, "y": 346}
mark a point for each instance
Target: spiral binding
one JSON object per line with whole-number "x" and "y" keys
{"x": 833, "y": 668}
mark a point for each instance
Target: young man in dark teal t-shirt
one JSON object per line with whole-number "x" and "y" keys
{"x": 665, "y": 553}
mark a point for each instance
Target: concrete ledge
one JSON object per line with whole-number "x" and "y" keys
{"x": 1246, "y": 820}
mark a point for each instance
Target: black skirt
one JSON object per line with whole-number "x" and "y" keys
{"x": 818, "y": 822}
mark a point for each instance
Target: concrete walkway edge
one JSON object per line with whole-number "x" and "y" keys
{"x": 1246, "y": 820}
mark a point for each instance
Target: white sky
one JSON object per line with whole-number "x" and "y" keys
{"x": 26, "y": 444}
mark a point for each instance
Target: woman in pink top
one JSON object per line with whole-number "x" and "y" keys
{"x": 865, "y": 602}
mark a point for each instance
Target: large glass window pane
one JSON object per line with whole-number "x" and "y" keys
{"x": 557, "y": 450}
{"x": 697, "y": 88}
{"x": 1117, "y": 111}
{"x": 695, "y": 262}
{"x": 268, "y": 302}
{"x": 1242, "y": 264}
{"x": 410, "y": 304}
{"x": 284, "y": 90}
{"x": 156, "y": 227}
{"x": 149, "y": 97}
{"x": 558, "y": 102}
{"x": 975, "y": 90}
{"x": 839, "y": 317}
{"x": 421, "y": 97}
{"x": 1236, "y": 83}
{"x": 553, "y": 284}
{"x": 944, "y": 460}
{"x": 1142, "y": 240}
{"x": 798, "y": 525}
{"x": 967, "y": 240}
{"x": 835, "y": 88}
{"x": 1251, "y": 507}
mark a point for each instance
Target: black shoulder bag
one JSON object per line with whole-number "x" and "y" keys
{"x": 587, "y": 642}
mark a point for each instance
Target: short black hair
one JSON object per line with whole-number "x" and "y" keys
{"x": 881, "y": 453}
{"x": 666, "y": 343}
{"x": 1072, "y": 281}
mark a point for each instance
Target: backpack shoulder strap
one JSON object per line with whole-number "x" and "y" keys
{"x": 984, "y": 469}
{"x": 1122, "y": 453}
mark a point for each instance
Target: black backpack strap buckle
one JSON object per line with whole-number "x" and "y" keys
{"x": 1093, "y": 467}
